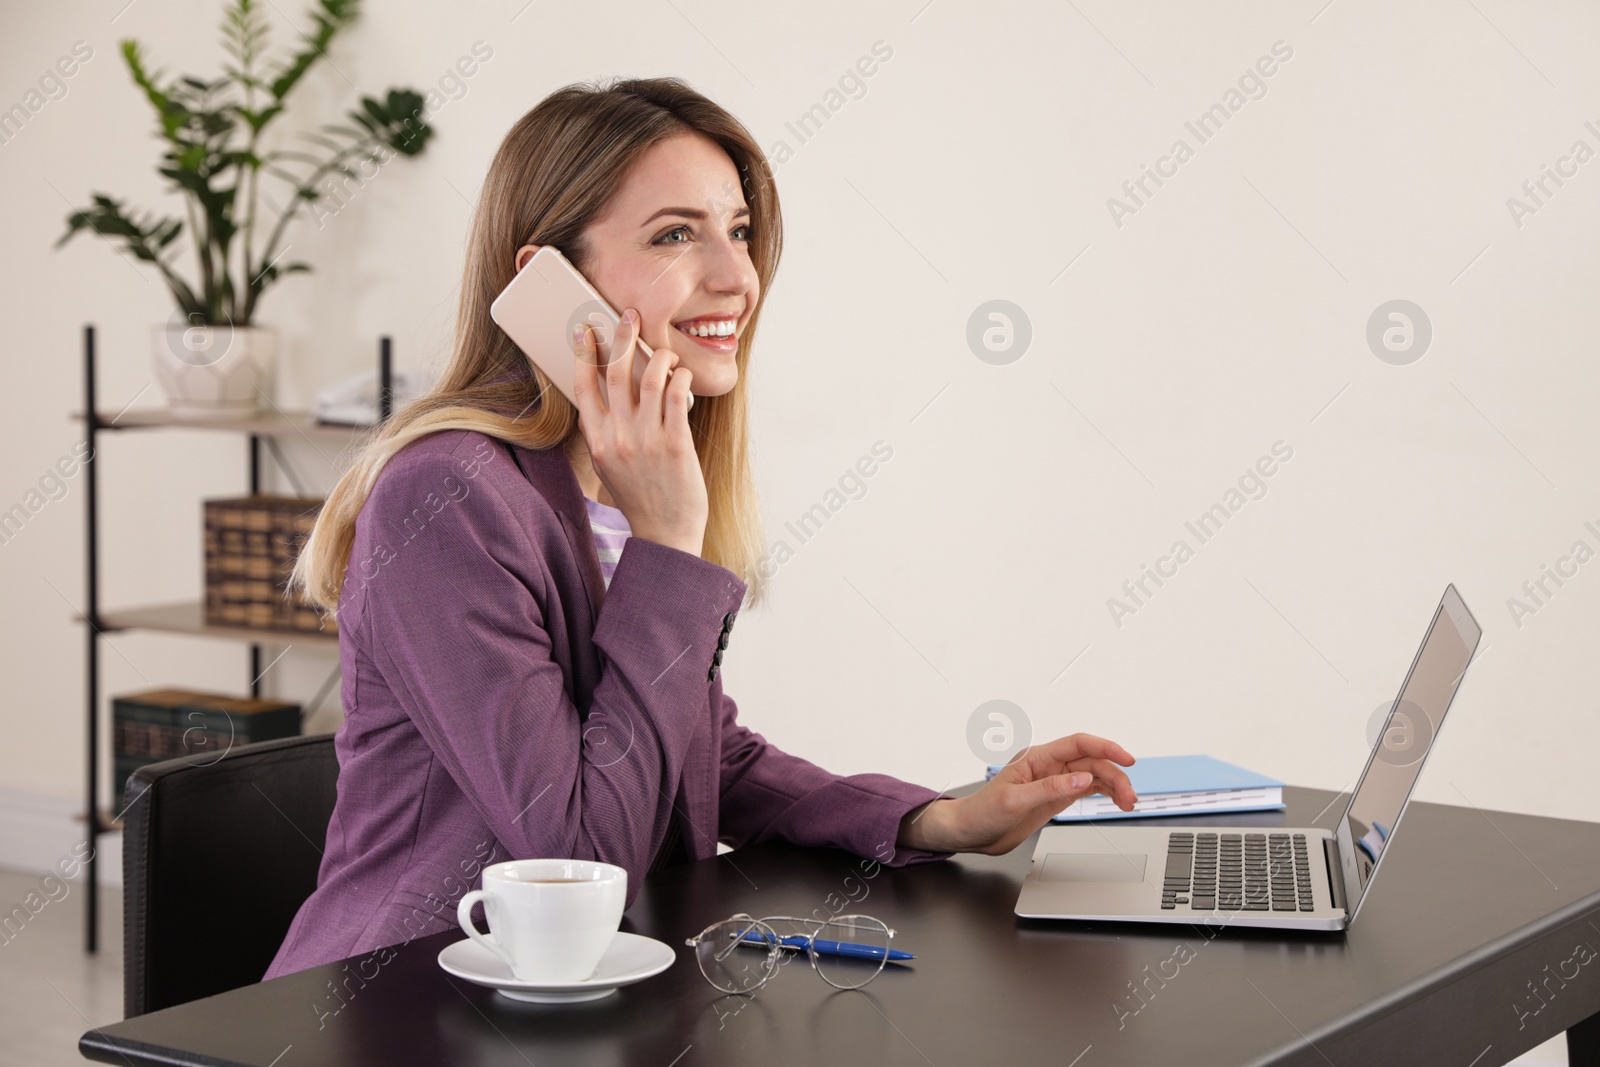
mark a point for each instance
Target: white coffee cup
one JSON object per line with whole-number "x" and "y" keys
{"x": 550, "y": 919}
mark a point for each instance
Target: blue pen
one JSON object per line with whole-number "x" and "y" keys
{"x": 831, "y": 948}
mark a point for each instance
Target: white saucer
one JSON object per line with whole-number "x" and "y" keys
{"x": 630, "y": 958}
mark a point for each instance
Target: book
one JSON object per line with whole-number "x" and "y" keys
{"x": 251, "y": 544}
{"x": 1179, "y": 785}
{"x": 159, "y": 724}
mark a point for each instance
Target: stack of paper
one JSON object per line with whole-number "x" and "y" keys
{"x": 353, "y": 401}
{"x": 1181, "y": 785}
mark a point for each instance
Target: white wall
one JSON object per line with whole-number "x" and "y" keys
{"x": 1227, "y": 313}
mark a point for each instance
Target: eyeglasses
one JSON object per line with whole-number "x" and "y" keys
{"x": 740, "y": 953}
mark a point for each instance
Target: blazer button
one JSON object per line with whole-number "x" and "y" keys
{"x": 722, "y": 641}
{"x": 711, "y": 675}
{"x": 716, "y": 657}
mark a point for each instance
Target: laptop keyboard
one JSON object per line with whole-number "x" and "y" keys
{"x": 1237, "y": 872}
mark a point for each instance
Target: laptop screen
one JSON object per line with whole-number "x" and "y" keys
{"x": 1408, "y": 733}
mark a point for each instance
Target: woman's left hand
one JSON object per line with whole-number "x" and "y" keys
{"x": 1022, "y": 797}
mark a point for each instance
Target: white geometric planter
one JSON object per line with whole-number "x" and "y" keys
{"x": 214, "y": 372}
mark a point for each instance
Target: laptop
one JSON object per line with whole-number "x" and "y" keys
{"x": 1304, "y": 878}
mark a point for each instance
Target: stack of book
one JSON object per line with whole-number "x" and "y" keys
{"x": 162, "y": 724}
{"x": 1180, "y": 785}
{"x": 251, "y": 543}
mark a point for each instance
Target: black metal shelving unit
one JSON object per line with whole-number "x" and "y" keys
{"x": 182, "y": 617}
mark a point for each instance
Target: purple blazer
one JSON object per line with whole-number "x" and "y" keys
{"x": 502, "y": 703}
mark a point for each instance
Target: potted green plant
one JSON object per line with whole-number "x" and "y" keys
{"x": 212, "y": 358}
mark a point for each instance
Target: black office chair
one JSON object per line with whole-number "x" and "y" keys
{"x": 218, "y": 856}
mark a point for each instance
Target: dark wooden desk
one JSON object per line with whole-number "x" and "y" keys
{"x": 1474, "y": 911}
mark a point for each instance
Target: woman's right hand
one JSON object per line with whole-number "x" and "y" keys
{"x": 642, "y": 449}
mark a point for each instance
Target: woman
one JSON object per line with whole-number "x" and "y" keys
{"x": 513, "y": 685}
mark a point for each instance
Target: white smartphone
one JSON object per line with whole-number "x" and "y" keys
{"x": 539, "y": 309}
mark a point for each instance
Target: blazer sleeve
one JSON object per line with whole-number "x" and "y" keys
{"x": 767, "y": 794}
{"x": 453, "y": 620}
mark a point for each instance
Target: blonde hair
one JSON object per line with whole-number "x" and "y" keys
{"x": 556, "y": 171}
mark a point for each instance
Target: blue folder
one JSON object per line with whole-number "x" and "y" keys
{"x": 1155, "y": 775}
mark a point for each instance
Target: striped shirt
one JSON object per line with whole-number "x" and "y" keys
{"x": 610, "y": 531}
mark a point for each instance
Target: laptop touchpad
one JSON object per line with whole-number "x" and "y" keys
{"x": 1093, "y": 867}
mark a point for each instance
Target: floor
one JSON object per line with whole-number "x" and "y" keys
{"x": 51, "y": 992}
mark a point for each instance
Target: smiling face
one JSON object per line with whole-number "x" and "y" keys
{"x": 675, "y": 244}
